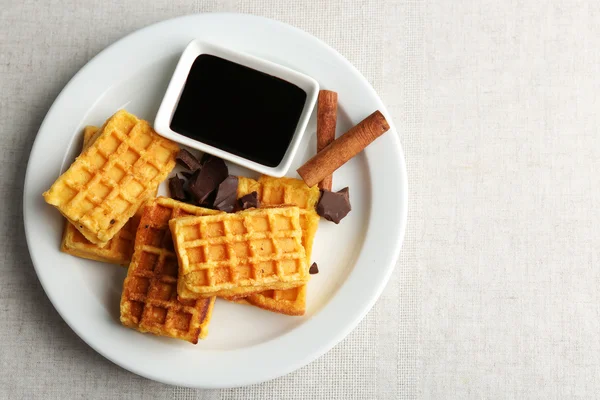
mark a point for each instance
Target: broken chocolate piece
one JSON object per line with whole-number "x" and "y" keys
{"x": 314, "y": 269}
{"x": 205, "y": 157}
{"x": 187, "y": 174}
{"x": 227, "y": 194}
{"x": 249, "y": 201}
{"x": 176, "y": 188}
{"x": 334, "y": 206}
{"x": 210, "y": 200}
{"x": 207, "y": 179}
{"x": 206, "y": 203}
{"x": 187, "y": 160}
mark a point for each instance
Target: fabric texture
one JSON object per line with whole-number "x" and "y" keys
{"x": 44, "y": 43}
{"x": 496, "y": 293}
{"x": 508, "y": 250}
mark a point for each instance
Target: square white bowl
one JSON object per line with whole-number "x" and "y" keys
{"x": 162, "y": 123}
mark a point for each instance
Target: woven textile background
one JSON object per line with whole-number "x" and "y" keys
{"x": 43, "y": 43}
{"x": 496, "y": 293}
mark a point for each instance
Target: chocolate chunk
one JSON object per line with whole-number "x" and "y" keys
{"x": 176, "y": 188}
{"x": 334, "y": 206}
{"x": 207, "y": 179}
{"x": 187, "y": 174}
{"x": 227, "y": 194}
{"x": 189, "y": 197}
{"x": 314, "y": 269}
{"x": 249, "y": 201}
{"x": 187, "y": 160}
{"x": 210, "y": 200}
{"x": 205, "y": 157}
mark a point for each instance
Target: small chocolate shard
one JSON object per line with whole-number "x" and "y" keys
{"x": 210, "y": 200}
{"x": 249, "y": 201}
{"x": 187, "y": 174}
{"x": 314, "y": 269}
{"x": 205, "y": 157}
{"x": 227, "y": 194}
{"x": 334, "y": 206}
{"x": 176, "y": 188}
{"x": 345, "y": 192}
{"x": 206, "y": 180}
{"x": 187, "y": 160}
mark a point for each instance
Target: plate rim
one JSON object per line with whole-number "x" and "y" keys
{"x": 365, "y": 307}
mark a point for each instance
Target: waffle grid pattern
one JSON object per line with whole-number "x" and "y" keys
{"x": 107, "y": 184}
{"x": 149, "y": 302}
{"x": 118, "y": 250}
{"x": 276, "y": 192}
{"x": 230, "y": 253}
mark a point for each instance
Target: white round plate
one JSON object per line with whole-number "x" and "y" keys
{"x": 245, "y": 344}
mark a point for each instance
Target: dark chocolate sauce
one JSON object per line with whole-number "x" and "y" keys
{"x": 238, "y": 109}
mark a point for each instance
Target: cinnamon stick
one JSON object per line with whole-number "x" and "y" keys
{"x": 343, "y": 148}
{"x": 326, "y": 121}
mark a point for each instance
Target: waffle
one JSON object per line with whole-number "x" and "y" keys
{"x": 290, "y": 301}
{"x": 149, "y": 301}
{"x": 247, "y": 186}
{"x": 274, "y": 192}
{"x": 118, "y": 250}
{"x": 111, "y": 179}
{"x": 235, "y": 254}
{"x": 290, "y": 191}
{"x": 294, "y": 192}
{"x": 239, "y": 300}
{"x": 88, "y": 134}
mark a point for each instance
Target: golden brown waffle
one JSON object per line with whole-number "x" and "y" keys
{"x": 290, "y": 301}
{"x": 149, "y": 302}
{"x": 240, "y": 300}
{"x": 88, "y": 134}
{"x": 118, "y": 250}
{"x": 287, "y": 191}
{"x": 111, "y": 179}
{"x": 290, "y": 191}
{"x": 235, "y": 254}
{"x": 247, "y": 186}
{"x": 274, "y": 192}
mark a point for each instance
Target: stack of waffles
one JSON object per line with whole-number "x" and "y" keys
{"x": 180, "y": 257}
{"x": 276, "y": 192}
{"x": 149, "y": 302}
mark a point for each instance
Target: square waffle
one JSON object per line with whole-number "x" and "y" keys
{"x": 111, "y": 179}
{"x": 118, "y": 250}
{"x": 275, "y": 192}
{"x": 149, "y": 302}
{"x": 234, "y": 254}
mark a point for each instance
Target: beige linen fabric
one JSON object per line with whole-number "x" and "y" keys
{"x": 496, "y": 293}
{"x": 509, "y": 242}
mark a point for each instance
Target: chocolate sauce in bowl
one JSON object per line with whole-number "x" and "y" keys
{"x": 238, "y": 109}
